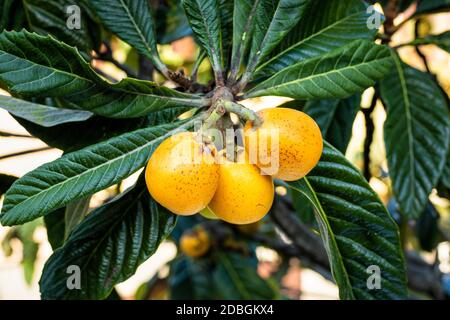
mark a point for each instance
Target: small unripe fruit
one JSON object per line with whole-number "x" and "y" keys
{"x": 182, "y": 174}
{"x": 208, "y": 214}
{"x": 299, "y": 145}
{"x": 243, "y": 195}
{"x": 195, "y": 243}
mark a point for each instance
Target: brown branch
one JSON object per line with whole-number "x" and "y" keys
{"x": 145, "y": 69}
{"x": 370, "y": 129}
{"x": 14, "y": 135}
{"x": 418, "y": 50}
{"x": 390, "y": 12}
{"x": 108, "y": 57}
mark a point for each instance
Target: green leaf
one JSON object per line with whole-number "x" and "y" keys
{"x": 131, "y": 21}
{"x": 205, "y": 19}
{"x": 445, "y": 178}
{"x": 74, "y": 213}
{"x": 5, "y": 182}
{"x": 441, "y": 40}
{"x": 41, "y": 114}
{"x": 236, "y": 277}
{"x": 273, "y": 21}
{"x": 35, "y": 66}
{"x": 91, "y": 131}
{"x": 108, "y": 246}
{"x": 55, "y": 225}
{"x": 335, "y": 119}
{"x": 243, "y": 25}
{"x": 338, "y": 74}
{"x": 81, "y": 173}
{"x": 50, "y": 17}
{"x": 432, "y": 6}
{"x": 12, "y": 15}
{"x": 416, "y": 134}
{"x": 96, "y": 128}
{"x": 336, "y": 24}
{"x": 226, "y": 8}
{"x": 356, "y": 229}
{"x": 427, "y": 228}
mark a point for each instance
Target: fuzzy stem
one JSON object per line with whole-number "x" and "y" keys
{"x": 242, "y": 112}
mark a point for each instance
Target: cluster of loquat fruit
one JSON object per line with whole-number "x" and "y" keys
{"x": 238, "y": 192}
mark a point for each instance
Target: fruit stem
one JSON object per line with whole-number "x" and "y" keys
{"x": 242, "y": 112}
{"x": 216, "y": 113}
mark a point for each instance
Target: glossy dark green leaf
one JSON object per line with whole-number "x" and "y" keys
{"x": 338, "y": 74}
{"x": 441, "y": 40}
{"x": 445, "y": 178}
{"x": 12, "y": 15}
{"x": 51, "y": 17}
{"x": 108, "y": 246}
{"x": 427, "y": 228}
{"x": 41, "y": 114}
{"x": 273, "y": 21}
{"x": 416, "y": 134}
{"x": 431, "y": 6}
{"x": 96, "y": 129}
{"x": 74, "y": 213}
{"x": 55, "y": 225}
{"x": 6, "y": 181}
{"x": 131, "y": 20}
{"x": 236, "y": 277}
{"x": 81, "y": 173}
{"x": 243, "y": 25}
{"x": 226, "y": 8}
{"x": 423, "y": 6}
{"x": 335, "y": 119}
{"x": 91, "y": 131}
{"x": 334, "y": 25}
{"x": 37, "y": 66}
{"x": 356, "y": 229}
{"x": 205, "y": 19}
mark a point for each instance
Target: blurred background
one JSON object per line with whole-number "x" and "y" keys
{"x": 24, "y": 250}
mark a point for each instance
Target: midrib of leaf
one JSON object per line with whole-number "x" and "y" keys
{"x": 54, "y": 70}
{"x": 237, "y": 59}
{"x": 308, "y": 38}
{"x": 136, "y": 27}
{"x": 234, "y": 276}
{"x": 208, "y": 31}
{"x": 108, "y": 163}
{"x": 113, "y": 225}
{"x": 318, "y": 207}
{"x": 313, "y": 76}
{"x": 198, "y": 102}
{"x": 255, "y": 58}
{"x": 401, "y": 75}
